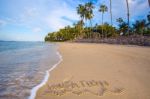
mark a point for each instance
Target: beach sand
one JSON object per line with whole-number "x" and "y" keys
{"x": 99, "y": 71}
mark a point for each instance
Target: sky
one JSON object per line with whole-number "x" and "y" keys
{"x": 32, "y": 20}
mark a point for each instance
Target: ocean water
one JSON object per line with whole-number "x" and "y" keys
{"x": 23, "y": 66}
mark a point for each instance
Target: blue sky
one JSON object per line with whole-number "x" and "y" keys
{"x": 31, "y": 20}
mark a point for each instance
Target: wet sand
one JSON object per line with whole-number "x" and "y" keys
{"x": 93, "y": 71}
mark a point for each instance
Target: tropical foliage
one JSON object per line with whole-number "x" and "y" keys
{"x": 79, "y": 30}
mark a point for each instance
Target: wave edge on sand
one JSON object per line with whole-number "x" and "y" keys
{"x": 36, "y": 88}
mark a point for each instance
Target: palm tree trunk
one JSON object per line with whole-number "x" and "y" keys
{"x": 86, "y": 25}
{"x": 102, "y": 25}
{"x": 91, "y": 27}
{"x": 80, "y": 28}
{"x": 128, "y": 15}
{"x": 111, "y": 12}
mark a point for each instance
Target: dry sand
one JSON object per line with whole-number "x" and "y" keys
{"x": 99, "y": 71}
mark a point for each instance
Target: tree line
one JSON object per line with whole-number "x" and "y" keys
{"x": 79, "y": 30}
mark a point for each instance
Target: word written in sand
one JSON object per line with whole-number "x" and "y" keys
{"x": 97, "y": 88}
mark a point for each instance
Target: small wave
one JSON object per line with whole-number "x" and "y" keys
{"x": 35, "y": 89}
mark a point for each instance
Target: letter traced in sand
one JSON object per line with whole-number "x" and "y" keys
{"x": 98, "y": 88}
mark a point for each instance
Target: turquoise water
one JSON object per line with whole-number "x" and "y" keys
{"x": 23, "y": 65}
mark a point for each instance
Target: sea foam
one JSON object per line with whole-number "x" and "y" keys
{"x": 35, "y": 89}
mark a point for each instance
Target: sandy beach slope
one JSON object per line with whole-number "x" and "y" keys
{"x": 99, "y": 71}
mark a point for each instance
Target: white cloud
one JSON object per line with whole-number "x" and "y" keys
{"x": 28, "y": 14}
{"x": 2, "y": 22}
{"x": 138, "y": 8}
{"x": 55, "y": 20}
{"x": 25, "y": 18}
{"x": 37, "y": 29}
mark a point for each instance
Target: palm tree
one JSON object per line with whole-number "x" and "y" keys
{"x": 123, "y": 26}
{"x": 120, "y": 20}
{"x": 128, "y": 15}
{"x": 103, "y": 9}
{"x": 111, "y": 12}
{"x": 81, "y": 11}
{"x": 149, "y": 2}
{"x": 89, "y": 11}
{"x": 148, "y": 18}
{"x": 139, "y": 26}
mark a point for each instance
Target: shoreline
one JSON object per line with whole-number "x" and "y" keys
{"x": 121, "y": 77}
{"x": 34, "y": 90}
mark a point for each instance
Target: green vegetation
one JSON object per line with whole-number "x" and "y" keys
{"x": 100, "y": 31}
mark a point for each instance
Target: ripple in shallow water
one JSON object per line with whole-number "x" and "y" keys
{"x": 23, "y": 65}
